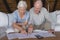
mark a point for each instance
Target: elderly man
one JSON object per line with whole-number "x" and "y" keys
{"x": 21, "y": 17}
{"x": 38, "y": 14}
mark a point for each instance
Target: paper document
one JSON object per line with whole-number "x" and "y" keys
{"x": 57, "y": 28}
{"x": 9, "y": 30}
{"x": 12, "y": 36}
{"x": 37, "y": 31}
{"x": 31, "y": 35}
{"x": 22, "y": 36}
{"x": 44, "y": 33}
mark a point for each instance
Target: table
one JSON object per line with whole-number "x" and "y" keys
{"x": 51, "y": 38}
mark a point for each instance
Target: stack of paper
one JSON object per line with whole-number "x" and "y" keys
{"x": 57, "y": 28}
{"x": 39, "y": 31}
{"x": 20, "y": 36}
{"x": 31, "y": 35}
{"x": 44, "y": 33}
{"x": 9, "y": 30}
{"x": 12, "y": 36}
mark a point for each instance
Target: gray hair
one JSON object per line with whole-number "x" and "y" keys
{"x": 39, "y": 1}
{"x": 22, "y": 4}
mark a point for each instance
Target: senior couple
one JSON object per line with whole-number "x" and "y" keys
{"x": 25, "y": 21}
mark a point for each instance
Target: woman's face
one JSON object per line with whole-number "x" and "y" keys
{"x": 22, "y": 10}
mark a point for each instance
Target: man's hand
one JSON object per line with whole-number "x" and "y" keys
{"x": 51, "y": 31}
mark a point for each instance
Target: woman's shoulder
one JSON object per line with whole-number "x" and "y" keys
{"x": 27, "y": 12}
{"x": 15, "y": 12}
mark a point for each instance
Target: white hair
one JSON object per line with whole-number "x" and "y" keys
{"x": 38, "y": 1}
{"x": 22, "y": 4}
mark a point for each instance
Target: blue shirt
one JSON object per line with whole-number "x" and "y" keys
{"x": 17, "y": 18}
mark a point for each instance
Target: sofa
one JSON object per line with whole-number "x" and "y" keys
{"x": 8, "y": 18}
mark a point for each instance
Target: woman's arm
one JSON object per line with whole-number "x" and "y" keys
{"x": 15, "y": 25}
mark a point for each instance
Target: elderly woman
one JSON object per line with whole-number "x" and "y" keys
{"x": 21, "y": 17}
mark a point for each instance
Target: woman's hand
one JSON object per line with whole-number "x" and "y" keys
{"x": 15, "y": 25}
{"x": 23, "y": 31}
{"x": 25, "y": 23}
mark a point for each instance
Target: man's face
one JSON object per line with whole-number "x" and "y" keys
{"x": 22, "y": 10}
{"x": 37, "y": 6}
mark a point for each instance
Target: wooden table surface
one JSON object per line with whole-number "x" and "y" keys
{"x": 51, "y": 38}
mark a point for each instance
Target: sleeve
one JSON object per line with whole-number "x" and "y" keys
{"x": 27, "y": 17}
{"x": 49, "y": 18}
{"x": 57, "y": 12}
{"x": 15, "y": 16}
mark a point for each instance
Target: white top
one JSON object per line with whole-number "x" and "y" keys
{"x": 38, "y": 19}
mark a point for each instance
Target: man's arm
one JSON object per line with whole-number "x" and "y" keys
{"x": 57, "y": 12}
{"x": 49, "y": 18}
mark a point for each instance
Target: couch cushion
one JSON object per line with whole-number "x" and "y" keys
{"x": 11, "y": 19}
{"x": 3, "y": 19}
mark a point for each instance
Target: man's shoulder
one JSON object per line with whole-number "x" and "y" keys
{"x": 31, "y": 9}
{"x": 43, "y": 8}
